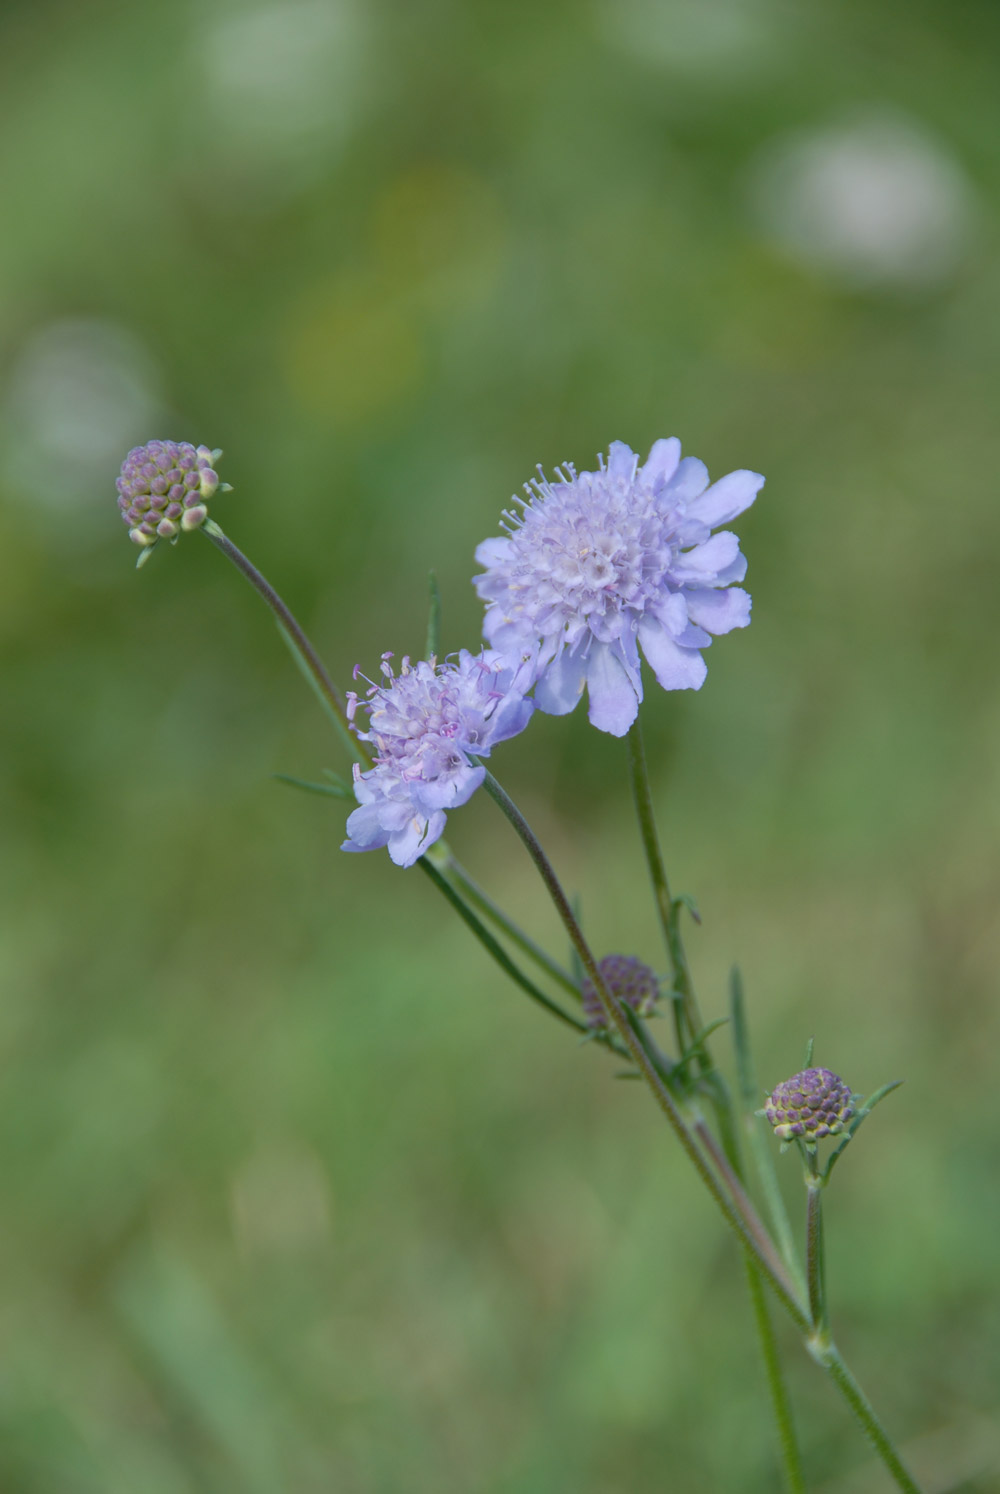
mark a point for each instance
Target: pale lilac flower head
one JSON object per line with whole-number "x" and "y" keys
{"x": 426, "y": 726}
{"x": 164, "y": 488}
{"x": 598, "y": 563}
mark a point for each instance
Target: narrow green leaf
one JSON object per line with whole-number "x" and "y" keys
{"x": 741, "y": 1041}
{"x": 341, "y": 783}
{"x": 875, "y": 1099}
{"x": 759, "y": 1143}
{"x": 706, "y": 1032}
{"x": 503, "y": 959}
{"x": 809, "y": 1054}
{"x": 862, "y": 1115}
{"x": 685, "y": 900}
{"x": 434, "y": 620}
{"x": 331, "y": 715}
{"x": 328, "y": 790}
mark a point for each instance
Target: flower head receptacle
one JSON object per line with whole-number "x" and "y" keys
{"x": 164, "y": 488}
{"x": 629, "y": 980}
{"x": 809, "y": 1106}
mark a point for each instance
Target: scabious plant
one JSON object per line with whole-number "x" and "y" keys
{"x": 599, "y": 564}
{"x": 596, "y": 567}
{"x": 428, "y": 726}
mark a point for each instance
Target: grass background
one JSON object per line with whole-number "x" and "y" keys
{"x": 297, "y": 1194}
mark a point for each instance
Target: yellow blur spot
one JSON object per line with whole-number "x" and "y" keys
{"x": 438, "y": 233}
{"x": 350, "y": 350}
{"x": 356, "y": 345}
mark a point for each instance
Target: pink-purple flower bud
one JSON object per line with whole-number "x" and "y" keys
{"x": 809, "y": 1106}
{"x": 164, "y": 487}
{"x": 629, "y": 980}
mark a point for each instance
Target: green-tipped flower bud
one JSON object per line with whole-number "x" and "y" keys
{"x": 809, "y": 1106}
{"x": 627, "y": 978}
{"x": 164, "y": 487}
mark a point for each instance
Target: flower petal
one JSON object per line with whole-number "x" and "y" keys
{"x": 492, "y": 551}
{"x": 726, "y": 498}
{"x": 704, "y": 563}
{"x": 510, "y": 717}
{"x": 448, "y": 792}
{"x": 364, "y": 831}
{"x": 719, "y": 611}
{"x": 507, "y": 634}
{"x": 614, "y": 704}
{"x": 675, "y": 668}
{"x": 730, "y": 573}
{"x": 690, "y": 479}
{"x": 408, "y": 845}
{"x": 561, "y": 683}
{"x": 622, "y": 460}
{"x": 661, "y": 464}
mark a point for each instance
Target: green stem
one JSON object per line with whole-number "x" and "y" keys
{"x": 312, "y": 664}
{"x": 738, "y": 1213}
{"x": 791, "y": 1458}
{"x": 826, "y": 1354}
{"x": 665, "y": 905}
{"x": 494, "y": 948}
{"x": 815, "y": 1274}
{"x": 315, "y": 671}
{"x": 443, "y": 859}
{"x": 761, "y": 1146}
{"x": 821, "y": 1345}
{"x": 669, "y": 909}
{"x": 734, "y": 1184}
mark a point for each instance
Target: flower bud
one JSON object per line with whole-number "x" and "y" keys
{"x": 809, "y": 1106}
{"x": 629, "y": 980}
{"x": 164, "y": 487}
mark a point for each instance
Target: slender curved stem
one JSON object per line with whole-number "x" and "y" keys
{"x": 814, "y": 1255}
{"x": 826, "y": 1353}
{"x": 310, "y": 659}
{"x": 494, "y": 948}
{"x": 760, "y": 1145}
{"x": 669, "y": 909}
{"x": 334, "y": 704}
{"x": 791, "y": 1458}
{"x": 734, "y": 1183}
{"x": 665, "y": 905}
{"x": 446, "y": 862}
{"x": 741, "y": 1219}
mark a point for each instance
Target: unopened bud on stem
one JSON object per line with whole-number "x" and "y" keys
{"x": 629, "y": 980}
{"x": 809, "y": 1106}
{"x": 164, "y": 488}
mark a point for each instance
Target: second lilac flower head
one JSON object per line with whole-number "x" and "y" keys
{"x": 427, "y": 725}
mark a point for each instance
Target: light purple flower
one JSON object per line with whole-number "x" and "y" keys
{"x": 599, "y": 563}
{"x": 427, "y": 725}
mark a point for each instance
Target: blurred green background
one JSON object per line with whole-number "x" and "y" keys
{"x": 297, "y": 1194}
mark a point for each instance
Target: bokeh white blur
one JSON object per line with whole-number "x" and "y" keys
{"x": 706, "y": 38}
{"x": 873, "y": 200}
{"x": 283, "y": 85}
{"x": 79, "y": 392}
